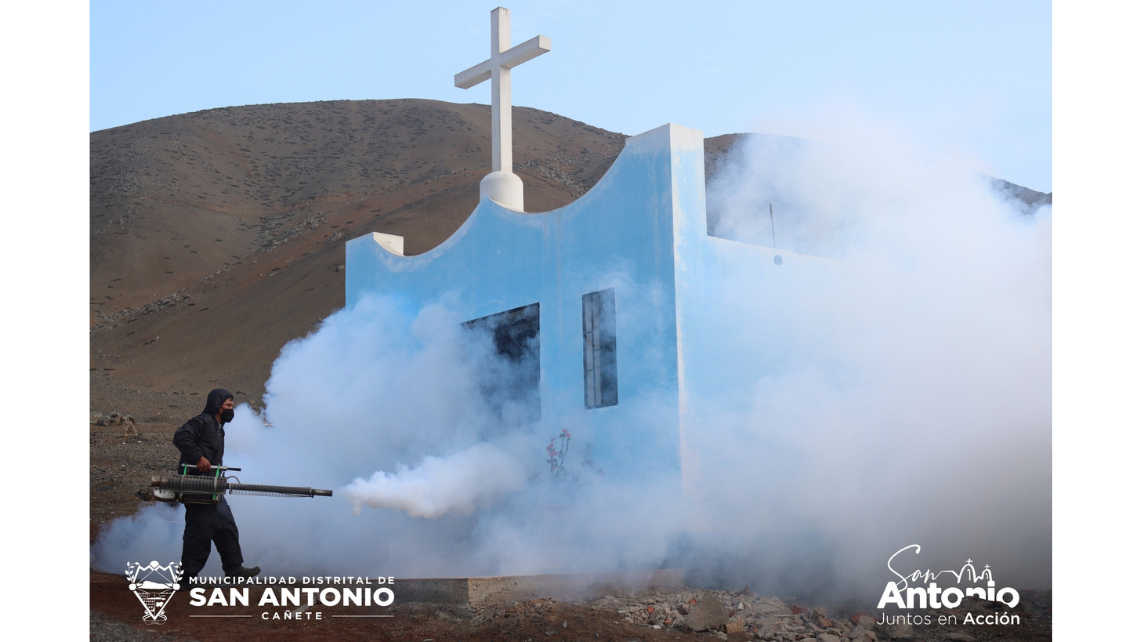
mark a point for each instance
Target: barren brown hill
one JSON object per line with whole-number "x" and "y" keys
{"x": 218, "y": 236}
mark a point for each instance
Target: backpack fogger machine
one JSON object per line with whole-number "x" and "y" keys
{"x": 191, "y": 488}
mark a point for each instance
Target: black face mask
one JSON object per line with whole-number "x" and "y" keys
{"x": 227, "y": 416}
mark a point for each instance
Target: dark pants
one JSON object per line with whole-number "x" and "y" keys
{"x": 206, "y": 523}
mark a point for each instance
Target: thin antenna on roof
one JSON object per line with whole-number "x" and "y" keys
{"x": 772, "y": 231}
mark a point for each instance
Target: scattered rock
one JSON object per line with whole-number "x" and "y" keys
{"x": 129, "y": 429}
{"x": 709, "y": 613}
{"x": 821, "y": 618}
{"x": 756, "y": 617}
{"x": 113, "y": 419}
{"x": 116, "y": 419}
{"x": 769, "y": 606}
{"x": 900, "y": 631}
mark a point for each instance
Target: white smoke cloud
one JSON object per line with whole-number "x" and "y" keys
{"x": 914, "y": 403}
{"x": 394, "y": 397}
{"x": 458, "y": 482}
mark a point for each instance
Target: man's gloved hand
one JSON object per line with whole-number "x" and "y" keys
{"x": 203, "y": 465}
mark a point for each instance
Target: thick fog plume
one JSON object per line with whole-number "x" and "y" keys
{"x": 906, "y": 401}
{"x": 458, "y": 483}
{"x": 911, "y": 403}
{"x": 418, "y": 426}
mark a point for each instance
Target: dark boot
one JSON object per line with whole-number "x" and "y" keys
{"x": 242, "y": 571}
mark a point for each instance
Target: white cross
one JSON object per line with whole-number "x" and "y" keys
{"x": 499, "y": 69}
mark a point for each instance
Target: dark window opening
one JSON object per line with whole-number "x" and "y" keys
{"x": 515, "y": 332}
{"x": 600, "y": 364}
{"x": 512, "y": 383}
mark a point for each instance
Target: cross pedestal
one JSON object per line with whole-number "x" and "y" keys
{"x": 502, "y": 186}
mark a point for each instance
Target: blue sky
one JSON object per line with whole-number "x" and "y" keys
{"x": 970, "y": 80}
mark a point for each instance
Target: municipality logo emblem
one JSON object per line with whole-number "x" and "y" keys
{"x": 154, "y": 585}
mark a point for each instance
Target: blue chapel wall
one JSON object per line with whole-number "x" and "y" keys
{"x": 700, "y": 320}
{"x": 621, "y": 235}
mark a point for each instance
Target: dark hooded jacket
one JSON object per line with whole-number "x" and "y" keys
{"x": 203, "y": 436}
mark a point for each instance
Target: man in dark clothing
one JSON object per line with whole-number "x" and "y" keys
{"x": 202, "y": 440}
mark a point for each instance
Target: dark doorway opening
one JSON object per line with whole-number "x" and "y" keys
{"x": 512, "y": 381}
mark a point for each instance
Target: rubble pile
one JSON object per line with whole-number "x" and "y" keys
{"x": 730, "y": 612}
{"x": 746, "y": 615}
{"x": 116, "y": 419}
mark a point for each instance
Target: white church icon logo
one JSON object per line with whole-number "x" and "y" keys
{"x": 154, "y": 585}
{"x": 904, "y": 596}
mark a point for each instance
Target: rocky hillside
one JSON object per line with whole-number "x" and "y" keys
{"x": 218, "y": 236}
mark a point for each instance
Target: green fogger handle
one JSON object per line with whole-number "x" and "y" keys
{"x": 216, "y": 469}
